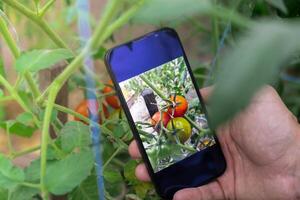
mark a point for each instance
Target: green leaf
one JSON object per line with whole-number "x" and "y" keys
{"x": 100, "y": 53}
{"x": 64, "y": 175}
{"x": 129, "y": 171}
{"x": 18, "y": 128}
{"x": 74, "y": 134}
{"x": 53, "y": 115}
{"x": 255, "y": 61}
{"x": 88, "y": 190}
{"x": 25, "y": 118}
{"x": 112, "y": 176}
{"x": 278, "y": 4}
{"x": 1, "y": 5}
{"x": 142, "y": 189}
{"x": 3, "y": 194}
{"x": 23, "y": 193}
{"x": 32, "y": 172}
{"x": 1, "y": 93}
{"x": 36, "y": 60}
{"x": 156, "y": 11}
{"x": 10, "y": 176}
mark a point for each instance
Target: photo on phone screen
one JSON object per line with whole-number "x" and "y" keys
{"x": 167, "y": 113}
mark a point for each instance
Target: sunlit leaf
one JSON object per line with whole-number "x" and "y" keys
{"x": 255, "y": 61}
{"x": 41, "y": 59}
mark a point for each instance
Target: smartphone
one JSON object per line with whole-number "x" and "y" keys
{"x": 165, "y": 111}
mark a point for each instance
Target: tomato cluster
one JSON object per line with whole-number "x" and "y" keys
{"x": 83, "y": 109}
{"x": 157, "y": 117}
{"x": 174, "y": 119}
{"x": 111, "y": 99}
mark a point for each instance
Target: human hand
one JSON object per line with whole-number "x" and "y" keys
{"x": 262, "y": 150}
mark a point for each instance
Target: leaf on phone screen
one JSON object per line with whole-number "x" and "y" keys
{"x": 255, "y": 61}
{"x": 36, "y": 60}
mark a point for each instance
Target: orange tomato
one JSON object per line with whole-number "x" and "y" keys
{"x": 156, "y": 118}
{"x": 112, "y": 100}
{"x": 179, "y": 107}
{"x": 82, "y": 109}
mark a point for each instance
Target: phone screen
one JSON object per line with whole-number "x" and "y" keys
{"x": 167, "y": 113}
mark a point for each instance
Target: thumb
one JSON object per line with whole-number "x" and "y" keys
{"x": 211, "y": 191}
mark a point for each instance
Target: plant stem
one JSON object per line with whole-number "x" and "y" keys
{"x": 32, "y": 85}
{"x": 38, "y": 20}
{"x": 193, "y": 123}
{"x": 190, "y": 149}
{"x": 16, "y": 53}
{"x": 5, "y": 99}
{"x": 45, "y": 137}
{"x": 71, "y": 112}
{"x": 16, "y": 96}
{"x": 159, "y": 93}
{"x": 9, "y": 142}
{"x": 26, "y": 151}
{"x": 111, "y": 157}
{"x": 46, "y": 7}
{"x": 8, "y": 38}
{"x": 52, "y": 34}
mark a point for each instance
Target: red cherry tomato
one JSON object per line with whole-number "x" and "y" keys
{"x": 82, "y": 109}
{"x": 112, "y": 100}
{"x": 179, "y": 107}
{"x": 156, "y": 118}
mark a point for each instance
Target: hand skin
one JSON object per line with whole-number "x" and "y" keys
{"x": 262, "y": 150}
